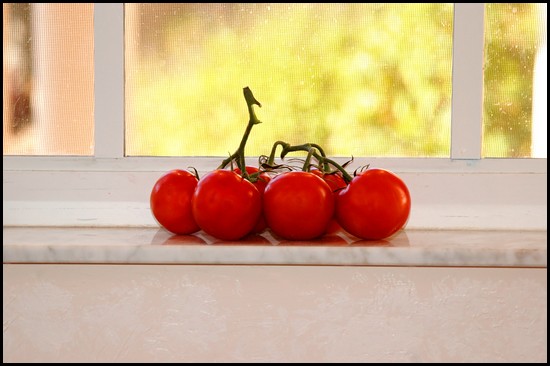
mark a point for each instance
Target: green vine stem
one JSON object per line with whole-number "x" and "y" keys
{"x": 271, "y": 159}
{"x": 313, "y": 150}
{"x": 307, "y": 147}
{"x": 347, "y": 177}
{"x": 307, "y": 161}
{"x": 238, "y": 156}
{"x": 318, "y": 153}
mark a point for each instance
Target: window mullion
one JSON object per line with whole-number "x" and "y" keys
{"x": 467, "y": 104}
{"x": 109, "y": 80}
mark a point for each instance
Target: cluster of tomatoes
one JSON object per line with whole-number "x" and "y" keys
{"x": 231, "y": 203}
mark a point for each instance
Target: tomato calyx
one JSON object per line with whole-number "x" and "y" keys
{"x": 360, "y": 170}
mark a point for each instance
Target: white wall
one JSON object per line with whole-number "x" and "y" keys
{"x": 185, "y": 313}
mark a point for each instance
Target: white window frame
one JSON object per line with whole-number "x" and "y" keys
{"x": 109, "y": 189}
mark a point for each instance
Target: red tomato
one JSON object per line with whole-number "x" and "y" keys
{"x": 225, "y": 205}
{"x": 375, "y": 205}
{"x": 171, "y": 201}
{"x": 298, "y": 205}
{"x": 260, "y": 185}
{"x": 336, "y": 182}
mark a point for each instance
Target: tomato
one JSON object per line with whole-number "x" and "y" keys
{"x": 260, "y": 185}
{"x": 375, "y": 205}
{"x": 170, "y": 201}
{"x": 336, "y": 182}
{"x": 225, "y": 205}
{"x": 298, "y": 205}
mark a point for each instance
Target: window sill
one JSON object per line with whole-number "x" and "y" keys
{"x": 470, "y": 248}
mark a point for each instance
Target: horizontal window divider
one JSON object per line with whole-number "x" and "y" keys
{"x": 204, "y": 164}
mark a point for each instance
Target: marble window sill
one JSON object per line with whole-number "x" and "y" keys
{"x": 156, "y": 246}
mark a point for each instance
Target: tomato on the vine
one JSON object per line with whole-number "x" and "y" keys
{"x": 336, "y": 183}
{"x": 170, "y": 201}
{"x": 225, "y": 205}
{"x": 260, "y": 185}
{"x": 375, "y": 204}
{"x": 298, "y": 205}
{"x": 335, "y": 180}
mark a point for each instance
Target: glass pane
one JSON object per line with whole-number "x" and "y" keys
{"x": 48, "y": 79}
{"x": 515, "y": 114}
{"x": 358, "y": 79}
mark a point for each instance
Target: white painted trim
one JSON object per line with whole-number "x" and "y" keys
{"x": 447, "y": 194}
{"x": 204, "y": 164}
{"x": 107, "y": 197}
{"x": 467, "y": 95}
{"x": 109, "y": 80}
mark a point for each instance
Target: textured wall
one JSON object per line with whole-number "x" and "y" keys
{"x": 273, "y": 313}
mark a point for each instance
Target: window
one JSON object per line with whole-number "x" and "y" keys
{"x": 111, "y": 189}
{"x": 48, "y": 104}
{"x": 368, "y": 88}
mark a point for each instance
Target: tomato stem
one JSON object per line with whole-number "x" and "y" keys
{"x": 318, "y": 153}
{"x": 307, "y": 162}
{"x": 347, "y": 177}
{"x": 238, "y": 155}
{"x": 195, "y": 172}
{"x": 271, "y": 159}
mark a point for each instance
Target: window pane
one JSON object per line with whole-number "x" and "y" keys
{"x": 48, "y": 79}
{"x": 515, "y": 114}
{"x": 358, "y": 79}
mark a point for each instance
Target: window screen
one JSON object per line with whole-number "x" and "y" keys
{"x": 358, "y": 79}
{"x": 515, "y": 81}
{"x": 48, "y": 79}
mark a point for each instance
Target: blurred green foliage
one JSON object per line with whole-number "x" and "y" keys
{"x": 512, "y": 40}
{"x": 358, "y": 79}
